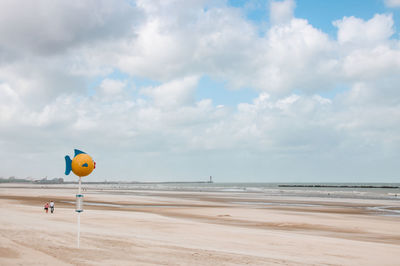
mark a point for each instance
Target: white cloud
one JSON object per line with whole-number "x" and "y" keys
{"x": 373, "y": 64}
{"x": 9, "y": 102}
{"x": 298, "y": 56}
{"x": 281, "y": 11}
{"x": 392, "y": 3}
{"x": 220, "y": 43}
{"x": 112, "y": 87}
{"x": 174, "y": 93}
{"x": 51, "y": 27}
{"x": 356, "y": 31}
{"x": 215, "y": 41}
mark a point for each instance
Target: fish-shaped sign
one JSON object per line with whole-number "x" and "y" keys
{"x": 81, "y": 165}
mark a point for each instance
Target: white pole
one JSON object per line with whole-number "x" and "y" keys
{"x": 79, "y": 226}
{"x": 79, "y": 214}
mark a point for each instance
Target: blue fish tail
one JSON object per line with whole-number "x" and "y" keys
{"x": 68, "y": 164}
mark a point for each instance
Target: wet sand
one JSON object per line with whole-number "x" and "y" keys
{"x": 130, "y": 227}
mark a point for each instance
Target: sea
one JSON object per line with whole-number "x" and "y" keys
{"x": 325, "y": 190}
{"x": 378, "y": 198}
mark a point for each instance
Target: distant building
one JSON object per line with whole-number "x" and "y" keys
{"x": 50, "y": 181}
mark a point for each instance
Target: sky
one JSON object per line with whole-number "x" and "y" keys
{"x": 169, "y": 90}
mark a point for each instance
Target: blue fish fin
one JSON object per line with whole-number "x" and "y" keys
{"x": 78, "y": 152}
{"x": 68, "y": 163}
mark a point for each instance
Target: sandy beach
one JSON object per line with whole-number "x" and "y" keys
{"x": 148, "y": 227}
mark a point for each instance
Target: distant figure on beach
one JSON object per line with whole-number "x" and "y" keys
{"x": 46, "y": 207}
{"x": 52, "y": 206}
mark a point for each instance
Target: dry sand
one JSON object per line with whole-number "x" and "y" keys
{"x": 193, "y": 228}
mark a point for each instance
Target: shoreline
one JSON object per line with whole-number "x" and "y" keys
{"x": 339, "y": 186}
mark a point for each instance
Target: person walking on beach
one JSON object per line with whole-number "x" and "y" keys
{"x": 46, "y": 207}
{"x": 52, "y": 206}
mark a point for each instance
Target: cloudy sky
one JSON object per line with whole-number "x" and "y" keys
{"x": 256, "y": 91}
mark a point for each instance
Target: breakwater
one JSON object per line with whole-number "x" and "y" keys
{"x": 338, "y": 186}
